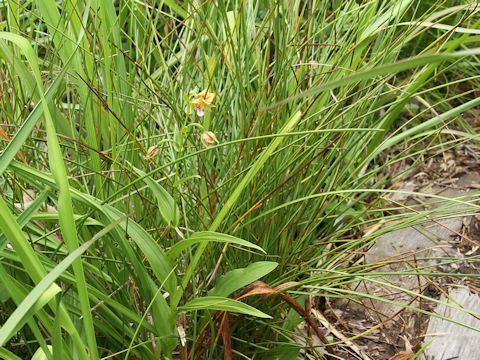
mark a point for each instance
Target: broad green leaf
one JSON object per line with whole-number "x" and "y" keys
{"x": 17, "y": 292}
{"x": 205, "y": 237}
{"x": 40, "y": 354}
{"x": 238, "y": 278}
{"x": 166, "y": 204}
{"x": 44, "y": 290}
{"x": 160, "y": 263}
{"x": 214, "y": 303}
{"x": 36, "y": 300}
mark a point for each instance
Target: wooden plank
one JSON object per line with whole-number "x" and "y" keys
{"x": 449, "y": 340}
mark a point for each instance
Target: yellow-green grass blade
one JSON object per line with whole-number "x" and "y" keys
{"x": 215, "y": 303}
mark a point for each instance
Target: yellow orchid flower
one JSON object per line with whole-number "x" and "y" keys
{"x": 202, "y": 101}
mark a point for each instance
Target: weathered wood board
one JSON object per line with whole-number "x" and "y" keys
{"x": 448, "y": 339}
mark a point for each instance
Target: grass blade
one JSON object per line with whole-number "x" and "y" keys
{"x": 218, "y": 303}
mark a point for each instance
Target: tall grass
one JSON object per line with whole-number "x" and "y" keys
{"x": 124, "y": 235}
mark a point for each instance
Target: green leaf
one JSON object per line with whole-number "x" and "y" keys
{"x": 166, "y": 204}
{"x": 215, "y": 303}
{"x": 27, "y": 126}
{"x": 37, "y": 299}
{"x": 238, "y": 278}
{"x": 380, "y": 22}
{"x": 205, "y": 237}
{"x": 4, "y": 295}
{"x": 249, "y": 176}
{"x": 381, "y": 70}
{"x": 283, "y": 352}
{"x": 17, "y": 292}
{"x": 25, "y": 216}
{"x": 13, "y": 233}
{"x": 172, "y": 4}
{"x": 40, "y": 354}
{"x": 59, "y": 172}
{"x": 435, "y": 121}
{"x": 158, "y": 260}
{"x": 7, "y": 355}
{"x": 44, "y": 290}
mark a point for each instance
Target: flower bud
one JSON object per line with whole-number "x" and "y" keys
{"x": 152, "y": 152}
{"x": 209, "y": 138}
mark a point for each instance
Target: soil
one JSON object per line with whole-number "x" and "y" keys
{"x": 393, "y": 332}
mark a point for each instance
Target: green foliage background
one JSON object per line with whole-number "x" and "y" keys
{"x": 106, "y": 252}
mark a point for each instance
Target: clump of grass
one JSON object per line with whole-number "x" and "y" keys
{"x": 179, "y": 152}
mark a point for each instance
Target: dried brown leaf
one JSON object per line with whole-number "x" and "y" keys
{"x": 403, "y": 355}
